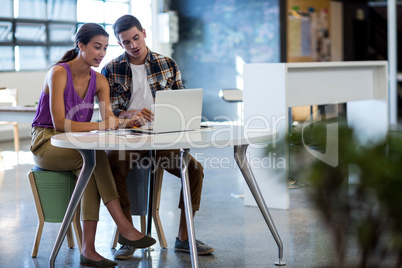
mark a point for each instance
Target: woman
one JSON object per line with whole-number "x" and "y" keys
{"x": 66, "y": 104}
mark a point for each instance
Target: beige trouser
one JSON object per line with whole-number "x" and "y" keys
{"x": 101, "y": 183}
{"x": 122, "y": 161}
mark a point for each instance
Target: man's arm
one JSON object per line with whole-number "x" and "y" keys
{"x": 178, "y": 83}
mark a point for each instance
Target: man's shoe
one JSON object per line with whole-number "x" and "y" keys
{"x": 202, "y": 249}
{"x": 124, "y": 252}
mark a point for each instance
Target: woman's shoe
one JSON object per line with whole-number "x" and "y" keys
{"x": 144, "y": 242}
{"x": 105, "y": 263}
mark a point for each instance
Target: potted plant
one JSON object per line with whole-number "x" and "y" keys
{"x": 368, "y": 213}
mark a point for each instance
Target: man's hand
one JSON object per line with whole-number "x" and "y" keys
{"x": 147, "y": 114}
{"x": 137, "y": 120}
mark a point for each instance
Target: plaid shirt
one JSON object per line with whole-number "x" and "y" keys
{"x": 162, "y": 72}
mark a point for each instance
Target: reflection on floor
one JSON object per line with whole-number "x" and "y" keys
{"x": 238, "y": 233}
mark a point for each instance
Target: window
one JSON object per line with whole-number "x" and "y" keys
{"x": 6, "y": 58}
{"x": 6, "y": 10}
{"x": 6, "y": 34}
{"x": 104, "y": 12}
{"x": 36, "y": 33}
{"x": 142, "y": 10}
{"x": 30, "y": 30}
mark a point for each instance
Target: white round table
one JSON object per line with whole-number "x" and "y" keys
{"x": 218, "y": 136}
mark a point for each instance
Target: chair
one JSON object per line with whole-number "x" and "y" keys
{"x": 231, "y": 94}
{"x": 137, "y": 186}
{"x": 9, "y": 97}
{"x": 52, "y": 191}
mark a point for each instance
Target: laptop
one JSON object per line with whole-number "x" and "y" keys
{"x": 175, "y": 111}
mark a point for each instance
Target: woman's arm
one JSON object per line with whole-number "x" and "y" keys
{"x": 56, "y": 81}
{"x": 103, "y": 93}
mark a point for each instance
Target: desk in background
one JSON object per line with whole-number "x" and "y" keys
{"x": 270, "y": 89}
{"x": 21, "y": 114}
{"x": 26, "y": 114}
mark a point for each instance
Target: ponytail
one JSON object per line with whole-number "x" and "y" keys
{"x": 85, "y": 33}
{"x": 68, "y": 56}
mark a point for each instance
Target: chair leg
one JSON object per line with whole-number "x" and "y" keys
{"x": 115, "y": 237}
{"x": 1, "y": 158}
{"x": 155, "y": 208}
{"x": 38, "y": 236}
{"x": 70, "y": 237}
{"x": 143, "y": 220}
{"x": 41, "y": 218}
{"x": 77, "y": 228}
{"x": 16, "y": 139}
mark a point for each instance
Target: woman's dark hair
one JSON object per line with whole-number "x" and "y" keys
{"x": 125, "y": 23}
{"x": 84, "y": 35}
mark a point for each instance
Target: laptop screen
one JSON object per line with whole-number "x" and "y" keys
{"x": 178, "y": 110}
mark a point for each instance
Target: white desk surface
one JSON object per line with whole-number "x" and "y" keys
{"x": 216, "y": 136}
{"x": 22, "y": 114}
{"x": 19, "y": 109}
{"x": 26, "y": 114}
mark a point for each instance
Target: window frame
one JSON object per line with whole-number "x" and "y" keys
{"x": 47, "y": 44}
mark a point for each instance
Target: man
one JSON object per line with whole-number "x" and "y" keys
{"x": 134, "y": 77}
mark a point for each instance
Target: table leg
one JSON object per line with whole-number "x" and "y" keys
{"x": 241, "y": 159}
{"x": 89, "y": 161}
{"x": 188, "y": 206}
{"x": 152, "y": 174}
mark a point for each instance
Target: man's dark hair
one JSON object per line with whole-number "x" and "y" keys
{"x": 125, "y": 23}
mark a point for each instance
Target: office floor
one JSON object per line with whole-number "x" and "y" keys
{"x": 238, "y": 233}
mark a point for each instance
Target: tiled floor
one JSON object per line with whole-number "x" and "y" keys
{"x": 238, "y": 233}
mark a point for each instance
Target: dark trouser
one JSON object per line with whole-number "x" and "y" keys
{"x": 169, "y": 160}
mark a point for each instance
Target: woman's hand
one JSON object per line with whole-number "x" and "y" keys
{"x": 137, "y": 120}
{"x": 110, "y": 123}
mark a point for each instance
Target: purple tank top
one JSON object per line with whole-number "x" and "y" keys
{"x": 76, "y": 108}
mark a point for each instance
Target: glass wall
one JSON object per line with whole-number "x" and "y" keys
{"x": 6, "y": 58}
{"x": 30, "y": 29}
{"x": 36, "y": 33}
{"x": 6, "y": 10}
{"x": 104, "y": 12}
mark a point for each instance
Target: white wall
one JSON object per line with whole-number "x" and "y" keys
{"x": 29, "y": 86}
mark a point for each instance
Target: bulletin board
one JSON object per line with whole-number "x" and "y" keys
{"x": 308, "y": 25}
